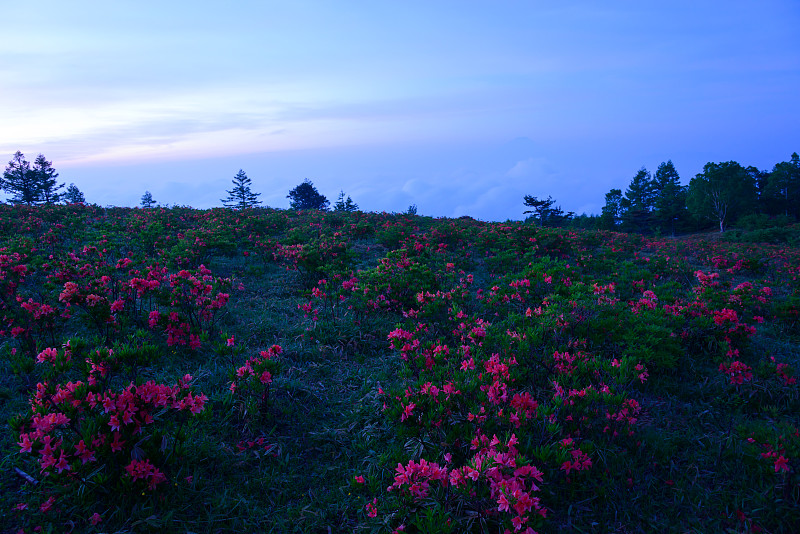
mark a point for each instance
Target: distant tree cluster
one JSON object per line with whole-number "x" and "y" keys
{"x": 722, "y": 194}
{"x": 35, "y": 184}
{"x": 31, "y": 184}
{"x": 303, "y": 197}
{"x": 306, "y": 197}
{"x": 650, "y": 203}
{"x": 345, "y": 205}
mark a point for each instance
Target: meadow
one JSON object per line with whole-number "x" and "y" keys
{"x": 260, "y": 370}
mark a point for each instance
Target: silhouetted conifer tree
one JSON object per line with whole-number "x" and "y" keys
{"x": 240, "y": 196}
{"x": 74, "y": 195}
{"x": 306, "y": 197}
{"x": 147, "y": 200}
{"x": 345, "y": 205}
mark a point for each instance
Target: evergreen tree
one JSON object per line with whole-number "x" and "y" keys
{"x": 611, "y": 214}
{"x": 74, "y": 195}
{"x": 306, "y": 197}
{"x": 585, "y": 221}
{"x": 544, "y": 212}
{"x": 19, "y": 181}
{"x": 240, "y": 196}
{"x": 637, "y": 205}
{"x": 412, "y": 210}
{"x": 782, "y": 190}
{"x": 147, "y": 200}
{"x": 722, "y": 193}
{"x": 344, "y": 205}
{"x": 670, "y": 198}
{"x": 761, "y": 179}
{"x": 542, "y": 208}
{"x": 556, "y": 217}
{"x": 45, "y": 176}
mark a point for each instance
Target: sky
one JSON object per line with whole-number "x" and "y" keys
{"x": 460, "y": 108}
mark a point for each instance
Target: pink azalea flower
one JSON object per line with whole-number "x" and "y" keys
{"x": 781, "y": 464}
{"x": 47, "y": 505}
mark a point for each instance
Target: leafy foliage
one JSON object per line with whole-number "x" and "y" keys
{"x": 721, "y": 193}
{"x": 725, "y": 193}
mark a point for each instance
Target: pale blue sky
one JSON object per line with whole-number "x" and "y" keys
{"x": 459, "y": 107}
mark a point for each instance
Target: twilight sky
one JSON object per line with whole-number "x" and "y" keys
{"x": 461, "y": 108}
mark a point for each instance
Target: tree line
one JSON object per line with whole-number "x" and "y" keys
{"x": 723, "y": 194}
{"x": 36, "y": 183}
{"x": 303, "y": 197}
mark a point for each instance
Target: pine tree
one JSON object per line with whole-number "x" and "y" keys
{"x": 670, "y": 198}
{"x": 545, "y": 213}
{"x": 74, "y": 195}
{"x": 541, "y": 208}
{"x": 30, "y": 184}
{"x": 612, "y": 212}
{"x": 45, "y": 176}
{"x": 344, "y": 205}
{"x": 147, "y": 200}
{"x": 306, "y": 197}
{"x": 782, "y": 190}
{"x": 240, "y": 196}
{"x": 637, "y": 205}
{"x": 557, "y": 218}
{"x": 19, "y": 181}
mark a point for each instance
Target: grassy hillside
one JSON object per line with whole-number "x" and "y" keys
{"x": 181, "y": 370}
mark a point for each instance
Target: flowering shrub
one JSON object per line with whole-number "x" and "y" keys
{"x": 87, "y": 435}
{"x": 252, "y": 380}
{"x": 484, "y": 377}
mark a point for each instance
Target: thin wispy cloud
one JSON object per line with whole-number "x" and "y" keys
{"x": 600, "y": 88}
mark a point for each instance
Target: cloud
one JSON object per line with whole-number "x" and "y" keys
{"x": 237, "y": 119}
{"x": 531, "y": 167}
{"x": 475, "y": 182}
